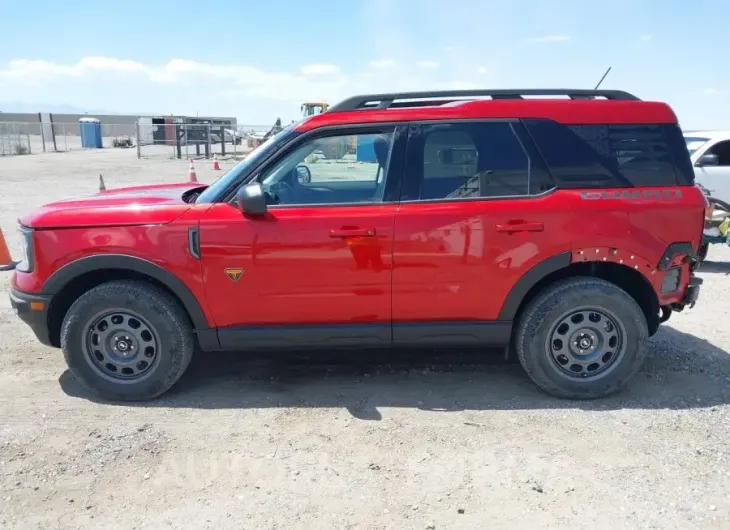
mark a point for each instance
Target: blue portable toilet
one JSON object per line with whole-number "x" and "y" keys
{"x": 90, "y": 132}
{"x": 365, "y": 151}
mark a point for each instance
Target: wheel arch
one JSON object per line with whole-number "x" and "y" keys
{"x": 561, "y": 266}
{"x": 77, "y": 277}
{"x": 520, "y": 290}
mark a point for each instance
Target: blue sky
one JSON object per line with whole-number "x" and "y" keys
{"x": 259, "y": 60}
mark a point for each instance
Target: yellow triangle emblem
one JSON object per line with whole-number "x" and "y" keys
{"x": 234, "y": 274}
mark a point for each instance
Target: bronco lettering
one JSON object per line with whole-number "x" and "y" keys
{"x": 631, "y": 194}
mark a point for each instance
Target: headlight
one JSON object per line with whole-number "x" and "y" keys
{"x": 26, "y": 257}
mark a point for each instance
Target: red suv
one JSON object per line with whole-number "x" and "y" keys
{"x": 563, "y": 226}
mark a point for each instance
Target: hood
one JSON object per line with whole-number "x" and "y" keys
{"x": 155, "y": 204}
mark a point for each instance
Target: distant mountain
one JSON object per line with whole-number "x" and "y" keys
{"x": 19, "y": 106}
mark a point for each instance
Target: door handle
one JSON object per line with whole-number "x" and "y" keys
{"x": 352, "y": 232}
{"x": 520, "y": 227}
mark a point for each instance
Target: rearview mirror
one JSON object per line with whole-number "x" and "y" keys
{"x": 454, "y": 156}
{"x": 708, "y": 160}
{"x": 251, "y": 200}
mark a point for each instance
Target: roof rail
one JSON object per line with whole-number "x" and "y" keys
{"x": 427, "y": 98}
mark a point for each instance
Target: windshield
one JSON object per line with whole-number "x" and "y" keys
{"x": 252, "y": 158}
{"x": 694, "y": 143}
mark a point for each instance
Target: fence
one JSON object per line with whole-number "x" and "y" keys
{"x": 17, "y": 138}
{"x": 182, "y": 141}
{"x": 20, "y": 138}
{"x": 186, "y": 141}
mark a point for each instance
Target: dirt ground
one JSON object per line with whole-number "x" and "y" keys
{"x": 366, "y": 440}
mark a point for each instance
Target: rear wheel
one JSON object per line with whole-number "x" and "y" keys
{"x": 127, "y": 340}
{"x": 582, "y": 338}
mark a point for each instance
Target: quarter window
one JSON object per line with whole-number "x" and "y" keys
{"x": 612, "y": 155}
{"x": 640, "y": 152}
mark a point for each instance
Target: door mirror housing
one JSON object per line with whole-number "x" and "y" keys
{"x": 251, "y": 200}
{"x": 708, "y": 160}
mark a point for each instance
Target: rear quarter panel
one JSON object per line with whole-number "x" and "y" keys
{"x": 641, "y": 222}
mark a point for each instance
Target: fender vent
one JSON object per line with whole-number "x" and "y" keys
{"x": 194, "y": 242}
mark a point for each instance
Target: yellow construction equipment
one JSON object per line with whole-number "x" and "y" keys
{"x": 311, "y": 109}
{"x": 334, "y": 149}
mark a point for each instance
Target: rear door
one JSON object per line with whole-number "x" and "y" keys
{"x": 476, "y": 214}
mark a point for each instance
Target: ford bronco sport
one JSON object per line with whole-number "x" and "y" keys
{"x": 562, "y": 225}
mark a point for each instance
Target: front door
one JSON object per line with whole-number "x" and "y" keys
{"x": 316, "y": 269}
{"x": 474, "y": 217}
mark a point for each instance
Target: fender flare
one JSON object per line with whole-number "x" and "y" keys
{"x": 528, "y": 280}
{"x": 69, "y": 272}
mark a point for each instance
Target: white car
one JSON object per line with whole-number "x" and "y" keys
{"x": 710, "y": 155}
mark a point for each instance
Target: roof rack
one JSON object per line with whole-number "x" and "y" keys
{"x": 426, "y": 98}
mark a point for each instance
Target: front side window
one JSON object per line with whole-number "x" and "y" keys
{"x": 722, "y": 150}
{"x": 336, "y": 169}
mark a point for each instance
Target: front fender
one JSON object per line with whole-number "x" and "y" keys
{"x": 69, "y": 272}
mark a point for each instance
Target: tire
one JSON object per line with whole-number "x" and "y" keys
{"x": 602, "y": 306}
{"x": 124, "y": 315}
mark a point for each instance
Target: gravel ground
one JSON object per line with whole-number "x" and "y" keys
{"x": 417, "y": 440}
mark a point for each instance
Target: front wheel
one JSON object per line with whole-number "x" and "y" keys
{"x": 127, "y": 340}
{"x": 582, "y": 338}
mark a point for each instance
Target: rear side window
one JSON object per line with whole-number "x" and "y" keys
{"x": 585, "y": 156}
{"x": 470, "y": 160}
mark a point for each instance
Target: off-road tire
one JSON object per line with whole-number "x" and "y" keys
{"x": 159, "y": 309}
{"x": 538, "y": 319}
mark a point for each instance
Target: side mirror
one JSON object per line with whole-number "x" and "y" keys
{"x": 251, "y": 200}
{"x": 304, "y": 175}
{"x": 708, "y": 160}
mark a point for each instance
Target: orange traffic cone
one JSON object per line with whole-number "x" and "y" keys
{"x": 192, "y": 177}
{"x": 6, "y": 264}
{"x": 216, "y": 165}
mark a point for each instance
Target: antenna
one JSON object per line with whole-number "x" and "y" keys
{"x": 602, "y": 78}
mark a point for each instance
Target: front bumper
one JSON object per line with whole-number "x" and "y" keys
{"x": 33, "y": 310}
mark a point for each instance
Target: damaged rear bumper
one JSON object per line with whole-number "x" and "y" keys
{"x": 693, "y": 291}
